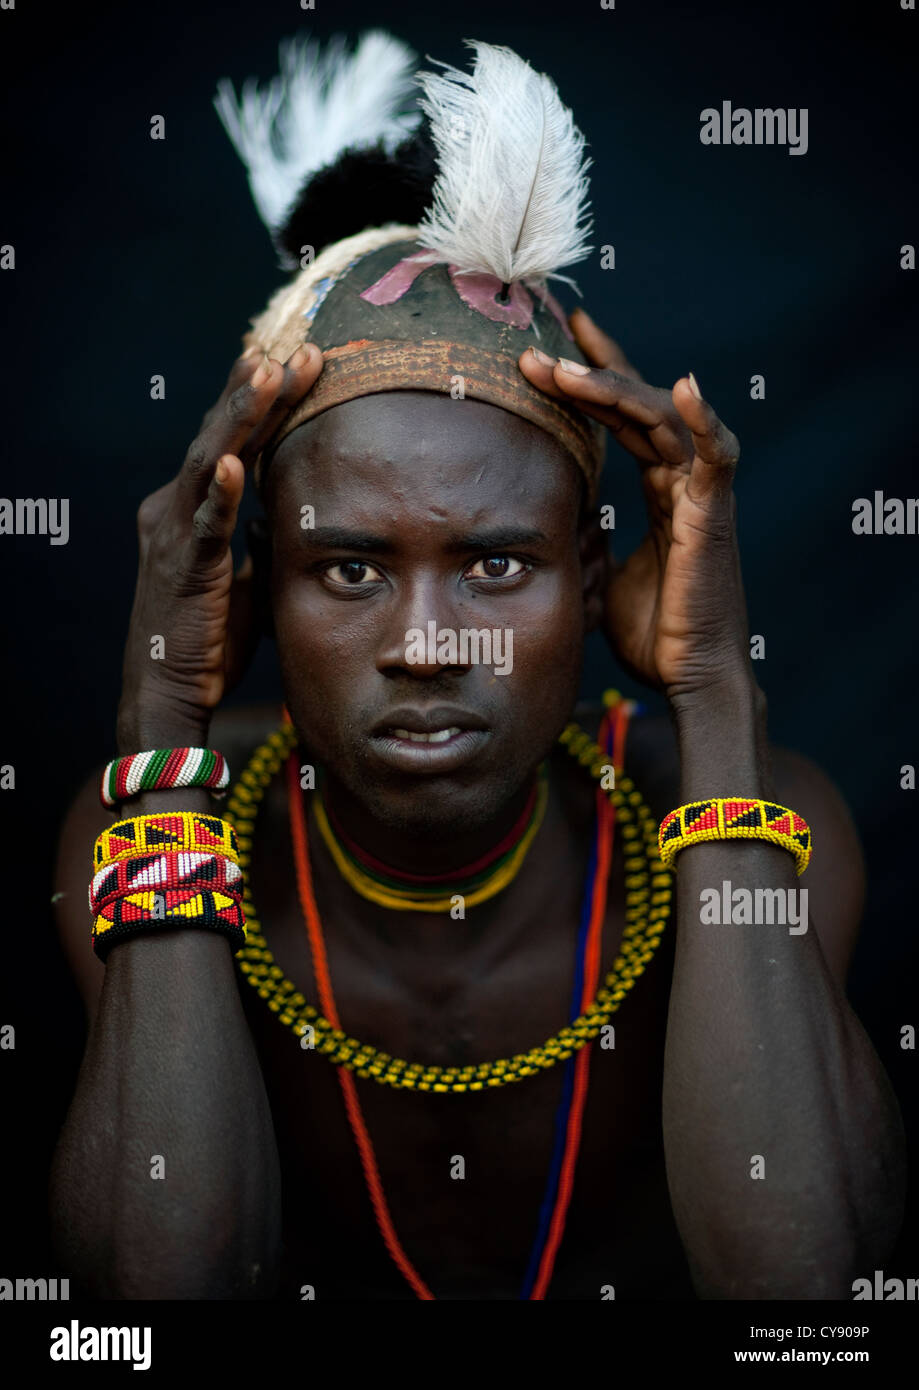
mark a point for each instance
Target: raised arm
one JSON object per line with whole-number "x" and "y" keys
{"x": 165, "y": 1182}
{"x": 783, "y": 1140}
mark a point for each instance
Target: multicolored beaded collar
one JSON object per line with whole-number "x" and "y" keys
{"x": 648, "y": 895}
{"x": 475, "y": 883}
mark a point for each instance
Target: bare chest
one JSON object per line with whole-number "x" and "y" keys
{"x": 465, "y": 1176}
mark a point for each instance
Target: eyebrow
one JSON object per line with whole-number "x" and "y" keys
{"x": 340, "y": 538}
{"x": 501, "y": 538}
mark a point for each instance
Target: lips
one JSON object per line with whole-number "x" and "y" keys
{"x": 441, "y": 738}
{"x": 437, "y": 736}
{"x": 409, "y": 719}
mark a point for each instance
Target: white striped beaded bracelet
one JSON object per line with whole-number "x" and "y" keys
{"x": 163, "y": 769}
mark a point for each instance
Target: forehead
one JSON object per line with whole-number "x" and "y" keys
{"x": 426, "y": 451}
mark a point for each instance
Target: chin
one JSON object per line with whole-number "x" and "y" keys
{"x": 429, "y": 807}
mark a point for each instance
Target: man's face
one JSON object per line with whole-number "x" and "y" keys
{"x": 426, "y": 509}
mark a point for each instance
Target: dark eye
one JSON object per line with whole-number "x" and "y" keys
{"x": 352, "y": 572}
{"x": 495, "y": 567}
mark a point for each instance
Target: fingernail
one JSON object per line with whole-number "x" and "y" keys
{"x": 543, "y": 357}
{"x": 222, "y": 470}
{"x": 299, "y": 358}
{"x": 694, "y": 387}
{"x": 261, "y": 373}
{"x": 577, "y": 368}
{"x": 250, "y": 352}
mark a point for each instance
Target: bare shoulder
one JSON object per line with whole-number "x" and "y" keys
{"x": 235, "y": 732}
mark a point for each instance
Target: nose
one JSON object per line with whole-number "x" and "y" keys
{"x": 415, "y": 629}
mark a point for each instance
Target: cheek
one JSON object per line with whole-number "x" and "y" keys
{"x": 321, "y": 652}
{"x": 548, "y": 648}
{"x": 548, "y": 624}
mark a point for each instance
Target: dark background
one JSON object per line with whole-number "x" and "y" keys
{"x": 136, "y": 257}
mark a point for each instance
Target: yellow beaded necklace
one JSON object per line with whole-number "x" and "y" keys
{"x": 407, "y": 900}
{"x": 648, "y": 896}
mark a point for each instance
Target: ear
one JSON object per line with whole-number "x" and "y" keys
{"x": 594, "y": 568}
{"x": 258, "y": 541}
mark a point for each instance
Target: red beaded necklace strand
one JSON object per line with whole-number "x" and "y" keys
{"x": 606, "y": 821}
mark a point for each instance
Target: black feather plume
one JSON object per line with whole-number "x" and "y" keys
{"x": 363, "y": 188}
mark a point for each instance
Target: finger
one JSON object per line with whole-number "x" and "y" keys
{"x": 301, "y": 371}
{"x": 244, "y": 411}
{"x": 215, "y": 519}
{"x": 240, "y": 371}
{"x": 600, "y": 389}
{"x": 657, "y": 432}
{"x": 538, "y": 367}
{"x": 598, "y": 347}
{"x": 716, "y": 448}
{"x": 228, "y": 430}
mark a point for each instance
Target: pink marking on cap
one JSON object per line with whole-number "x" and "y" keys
{"x": 480, "y": 292}
{"x": 398, "y": 279}
{"x": 553, "y": 305}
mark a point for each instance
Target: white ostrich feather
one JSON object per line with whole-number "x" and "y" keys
{"x": 511, "y": 196}
{"x": 320, "y": 104}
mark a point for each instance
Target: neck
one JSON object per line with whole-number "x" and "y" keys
{"x": 526, "y": 910}
{"x": 432, "y": 853}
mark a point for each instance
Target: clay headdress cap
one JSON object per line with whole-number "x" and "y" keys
{"x": 442, "y": 281}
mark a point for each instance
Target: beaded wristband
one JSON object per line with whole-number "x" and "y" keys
{"x": 162, "y": 769}
{"x": 136, "y": 914}
{"x": 734, "y": 818}
{"x": 167, "y": 830}
{"x": 184, "y": 869}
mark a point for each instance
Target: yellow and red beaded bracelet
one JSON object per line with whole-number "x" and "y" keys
{"x": 134, "y": 914}
{"x": 166, "y": 830}
{"x": 168, "y": 870}
{"x": 734, "y": 818}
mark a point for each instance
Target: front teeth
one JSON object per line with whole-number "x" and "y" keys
{"x": 438, "y": 736}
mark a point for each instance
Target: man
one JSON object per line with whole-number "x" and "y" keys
{"x": 738, "y": 1139}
